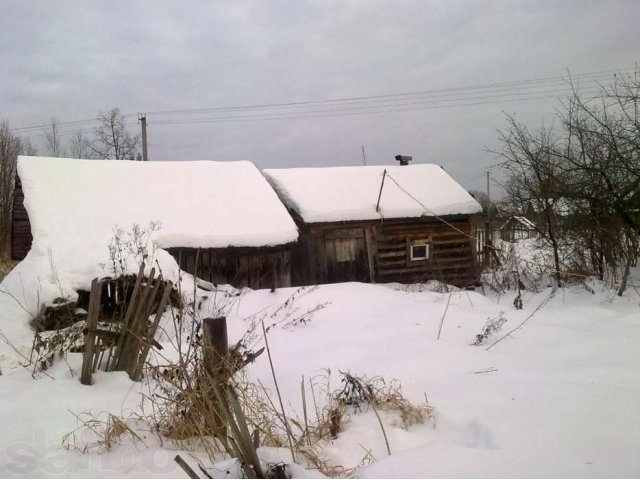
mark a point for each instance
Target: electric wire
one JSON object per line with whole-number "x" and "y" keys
{"x": 487, "y": 245}
{"x": 386, "y": 103}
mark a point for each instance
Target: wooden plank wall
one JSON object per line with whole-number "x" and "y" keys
{"x": 254, "y": 268}
{"x": 451, "y": 252}
{"x": 21, "y": 237}
{"x": 387, "y": 245}
{"x": 316, "y": 257}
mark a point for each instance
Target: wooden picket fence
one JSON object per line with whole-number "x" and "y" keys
{"x": 123, "y": 344}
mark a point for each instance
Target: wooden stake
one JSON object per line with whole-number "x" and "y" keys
{"x": 90, "y": 335}
{"x": 216, "y": 346}
{"x": 143, "y": 122}
{"x": 216, "y": 359}
{"x": 184, "y": 466}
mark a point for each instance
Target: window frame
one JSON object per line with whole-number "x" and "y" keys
{"x": 422, "y": 242}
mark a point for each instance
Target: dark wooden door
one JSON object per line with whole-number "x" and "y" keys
{"x": 346, "y": 255}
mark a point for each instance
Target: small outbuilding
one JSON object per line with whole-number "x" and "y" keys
{"x": 409, "y": 223}
{"x": 517, "y": 228}
{"x": 221, "y": 221}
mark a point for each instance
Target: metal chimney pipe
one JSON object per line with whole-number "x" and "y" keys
{"x": 404, "y": 159}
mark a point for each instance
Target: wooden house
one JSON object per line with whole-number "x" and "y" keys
{"x": 221, "y": 221}
{"x": 406, "y": 224}
{"x": 517, "y": 227}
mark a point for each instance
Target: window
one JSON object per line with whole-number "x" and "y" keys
{"x": 419, "y": 250}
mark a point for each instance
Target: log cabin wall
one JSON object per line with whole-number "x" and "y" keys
{"x": 21, "y": 237}
{"x": 399, "y": 250}
{"x": 441, "y": 251}
{"x": 256, "y": 268}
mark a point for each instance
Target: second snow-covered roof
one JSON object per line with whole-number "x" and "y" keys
{"x": 76, "y": 204}
{"x": 333, "y": 194}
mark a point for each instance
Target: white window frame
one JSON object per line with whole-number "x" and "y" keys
{"x": 419, "y": 243}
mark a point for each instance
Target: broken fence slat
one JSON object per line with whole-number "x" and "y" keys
{"x": 184, "y": 466}
{"x": 168, "y": 286}
{"x": 140, "y": 327}
{"x": 128, "y": 331}
{"x": 125, "y": 324}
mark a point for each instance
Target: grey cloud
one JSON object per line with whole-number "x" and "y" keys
{"x": 73, "y": 59}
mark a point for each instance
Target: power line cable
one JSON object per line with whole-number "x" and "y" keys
{"x": 341, "y": 114}
{"x": 434, "y": 93}
{"x": 602, "y": 75}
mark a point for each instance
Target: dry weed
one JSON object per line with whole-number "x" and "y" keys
{"x": 362, "y": 392}
{"x": 98, "y": 433}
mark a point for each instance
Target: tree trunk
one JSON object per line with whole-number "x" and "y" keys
{"x": 625, "y": 275}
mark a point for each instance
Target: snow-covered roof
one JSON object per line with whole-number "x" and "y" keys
{"x": 75, "y": 204}
{"x": 332, "y": 194}
{"x": 525, "y": 222}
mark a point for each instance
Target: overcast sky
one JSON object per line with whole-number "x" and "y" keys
{"x": 72, "y": 60}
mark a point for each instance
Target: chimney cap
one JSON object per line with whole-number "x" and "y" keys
{"x": 404, "y": 159}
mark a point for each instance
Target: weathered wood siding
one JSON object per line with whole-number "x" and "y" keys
{"x": 256, "y": 268}
{"x": 451, "y": 252}
{"x": 21, "y": 237}
{"x": 331, "y": 253}
{"x": 381, "y": 252}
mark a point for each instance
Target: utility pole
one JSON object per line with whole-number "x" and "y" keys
{"x": 489, "y": 195}
{"x": 489, "y": 228}
{"x": 364, "y": 158}
{"x": 143, "y": 121}
{"x": 488, "y": 187}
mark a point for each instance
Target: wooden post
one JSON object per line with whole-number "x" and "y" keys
{"x": 216, "y": 347}
{"x": 215, "y": 357}
{"x": 90, "y": 335}
{"x": 143, "y": 121}
{"x": 369, "y": 239}
{"x": 487, "y": 245}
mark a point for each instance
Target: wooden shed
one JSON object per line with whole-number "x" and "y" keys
{"x": 517, "y": 227}
{"x": 221, "y": 221}
{"x": 379, "y": 224}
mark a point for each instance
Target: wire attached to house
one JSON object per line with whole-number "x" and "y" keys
{"x": 491, "y": 247}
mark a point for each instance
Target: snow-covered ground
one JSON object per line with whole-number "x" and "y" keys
{"x": 557, "y": 398}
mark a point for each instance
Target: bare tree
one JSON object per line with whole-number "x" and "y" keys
{"x": 52, "y": 139}
{"x": 583, "y": 178}
{"x": 27, "y": 148}
{"x": 603, "y": 160}
{"x": 534, "y": 179}
{"x": 80, "y": 146}
{"x": 112, "y": 140}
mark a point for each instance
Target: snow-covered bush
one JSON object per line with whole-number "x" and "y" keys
{"x": 135, "y": 245}
{"x": 493, "y": 325}
{"x": 523, "y": 265}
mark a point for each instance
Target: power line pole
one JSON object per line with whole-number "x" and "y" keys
{"x": 489, "y": 235}
{"x": 143, "y": 121}
{"x": 364, "y": 158}
{"x": 489, "y": 193}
